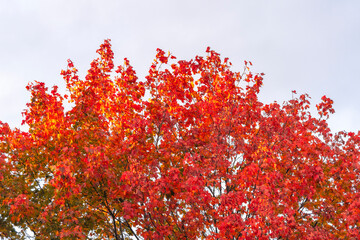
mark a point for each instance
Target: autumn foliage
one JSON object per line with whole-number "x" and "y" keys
{"x": 188, "y": 153}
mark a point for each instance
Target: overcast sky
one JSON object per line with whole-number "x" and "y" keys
{"x": 310, "y": 46}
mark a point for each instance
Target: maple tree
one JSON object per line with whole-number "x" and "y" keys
{"x": 188, "y": 153}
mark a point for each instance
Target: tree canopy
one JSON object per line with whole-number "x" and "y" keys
{"x": 190, "y": 152}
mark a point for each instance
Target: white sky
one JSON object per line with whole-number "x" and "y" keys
{"x": 311, "y": 46}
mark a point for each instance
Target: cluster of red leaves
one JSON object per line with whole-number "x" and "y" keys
{"x": 190, "y": 153}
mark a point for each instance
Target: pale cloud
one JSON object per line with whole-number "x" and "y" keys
{"x": 308, "y": 46}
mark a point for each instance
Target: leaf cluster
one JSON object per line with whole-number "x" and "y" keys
{"x": 188, "y": 153}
